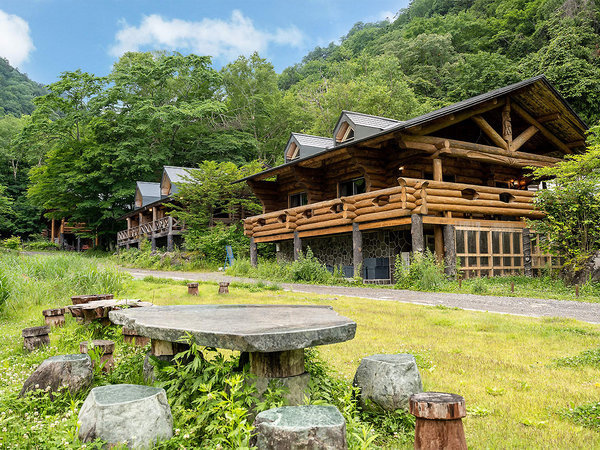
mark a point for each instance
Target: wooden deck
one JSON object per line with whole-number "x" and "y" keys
{"x": 157, "y": 228}
{"x": 437, "y": 201}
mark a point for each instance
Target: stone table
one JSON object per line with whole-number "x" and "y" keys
{"x": 98, "y": 309}
{"x": 275, "y": 336}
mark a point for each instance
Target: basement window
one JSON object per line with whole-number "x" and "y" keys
{"x": 469, "y": 194}
{"x": 299, "y": 199}
{"x": 352, "y": 187}
{"x": 507, "y": 198}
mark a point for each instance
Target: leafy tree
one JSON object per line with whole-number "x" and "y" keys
{"x": 16, "y": 91}
{"x": 572, "y": 206}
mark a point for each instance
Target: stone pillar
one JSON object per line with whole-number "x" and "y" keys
{"x": 357, "y": 254}
{"x": 527, "y": 268}
{"x": 416, "y": 231}
{"x": 450, "y": 249}
{"x": 297, "y": 246}
{"x": 253, "y": 253}
{"x": 170, "y": 245}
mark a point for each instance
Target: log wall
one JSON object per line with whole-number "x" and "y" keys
{"x": 392, "y": 206}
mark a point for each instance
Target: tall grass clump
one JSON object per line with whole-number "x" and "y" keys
{"x": 423, "y": 273}
{"x": 306, "y": 269}
{"x": 33, "y": 280}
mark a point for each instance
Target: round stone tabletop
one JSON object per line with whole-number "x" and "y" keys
{"x": 249, "y": 328}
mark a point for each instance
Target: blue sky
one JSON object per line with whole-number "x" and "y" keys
{"x": 45, "y": 37}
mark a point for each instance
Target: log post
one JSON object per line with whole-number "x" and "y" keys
{"x": 438, "y": 234}
{"x": 52, "y": 232}
{"x": 357, "y": 254}
{"x": 253, "y": 253}
{"x": 439, "y": 420}
{"x": 527, "y": 266}
{"x": 450, "y": 250}
{"x": 297, "y": 246}
{"x": 78, "y": 244}
{"x": 416, "y": 232}
{"x": 277, "y": 364}
{"x": 506, "y": 124}
{"x": 170, "y": 245}
{"x": 153, "y": 231}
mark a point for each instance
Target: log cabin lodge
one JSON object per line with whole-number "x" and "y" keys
{"x": 456, "y": 181}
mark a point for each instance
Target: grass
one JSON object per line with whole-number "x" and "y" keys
{"x": 501, "y": 364}
{"x": 508, "y": 368}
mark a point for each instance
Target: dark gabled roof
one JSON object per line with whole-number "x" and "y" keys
{"x": 312, "y": 141}
{"x": 439, "y": 113}
{"x": 148, "y": 189}
{"x": 368, "y": 120}
{"x": 177, "y": 174}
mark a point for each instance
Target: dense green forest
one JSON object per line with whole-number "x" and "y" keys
{"x": 90, "y": 138}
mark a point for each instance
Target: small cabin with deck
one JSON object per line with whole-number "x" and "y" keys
{"x": 150, "y": 219}
{"x": 456, "y": 180}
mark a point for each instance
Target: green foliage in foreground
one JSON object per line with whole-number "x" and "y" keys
{"x": 27, "y": 281}
{"x": 586, "y": 415}
{"x": 306, "y": 269}
{"x": 589, "y": 358}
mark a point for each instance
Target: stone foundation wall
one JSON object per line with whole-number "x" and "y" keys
{"x": 337, "y": 250}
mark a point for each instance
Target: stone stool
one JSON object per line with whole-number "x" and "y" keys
{"x": 36, "y": 337}
{"x": 119, "y": 413}
{"x": 192, "y": 288}
{"x": 387, "y": 381}
{"x": 300, "y": 427}
{"x": 54, "y": 317}
{"x": 106, "y": 350}
{"x": 224, "y": 287}
{"x": 131, "y": 337}
{"x": 71, "y": 371}
{"x": 439, "y": 421}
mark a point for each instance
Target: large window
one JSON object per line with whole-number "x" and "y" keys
{"x": 352, "y": 187}
{"x": 299, "y": 199}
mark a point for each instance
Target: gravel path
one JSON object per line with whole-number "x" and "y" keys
{"x": 520, "y": 306}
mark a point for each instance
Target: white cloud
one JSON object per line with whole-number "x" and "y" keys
{"x": 387, "y": 15}
{"x": 214, "y": 37}
{"x": 15, "y": 41}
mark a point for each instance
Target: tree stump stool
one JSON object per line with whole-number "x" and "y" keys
{"x": 131, "y": 337}
{"x": 300, "y": 427}
{"x": 192, "y": 288}
{"x": 224, "y": 287}
{"x": 54, "y": 317}
{"x": 106, "y": 352}
{"x": 126, "y": 413}
{"x": 36, "y": 337}
{"x": 82, "y": 299}
{"x": 72, "y": 372}
{"x": 439, "y": 420}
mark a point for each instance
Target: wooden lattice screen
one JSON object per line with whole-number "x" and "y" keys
{"x": 485, "y": 251}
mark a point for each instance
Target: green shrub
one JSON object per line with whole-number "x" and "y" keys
{"x": 13, "y": 243}
{"x": 586, "y": 415}
{"x": 423, "y": 274}
{"x": 479, "y": 286}
{"x": 309, "y": 269}
{"x": 41, "y": 245}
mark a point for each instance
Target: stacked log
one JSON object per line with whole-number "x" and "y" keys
{"x": 411, "y": 196}
{"x": 440, "y": 196}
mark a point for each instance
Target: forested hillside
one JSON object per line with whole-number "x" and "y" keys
{"x": 90, "y": 138}
{"x": 16, "y": 91}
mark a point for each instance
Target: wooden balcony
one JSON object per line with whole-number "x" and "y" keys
{"x": 393, "y": 207}
{"x": 157, "y": 228}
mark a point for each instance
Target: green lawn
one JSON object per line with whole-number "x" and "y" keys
{"x": 503, "y": 365}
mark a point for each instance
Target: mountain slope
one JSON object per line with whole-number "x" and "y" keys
{"x": 16, "y": 91}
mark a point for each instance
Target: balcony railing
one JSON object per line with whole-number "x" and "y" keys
{"x": 159, "y": 226}
{"x": 412, "y": 196}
